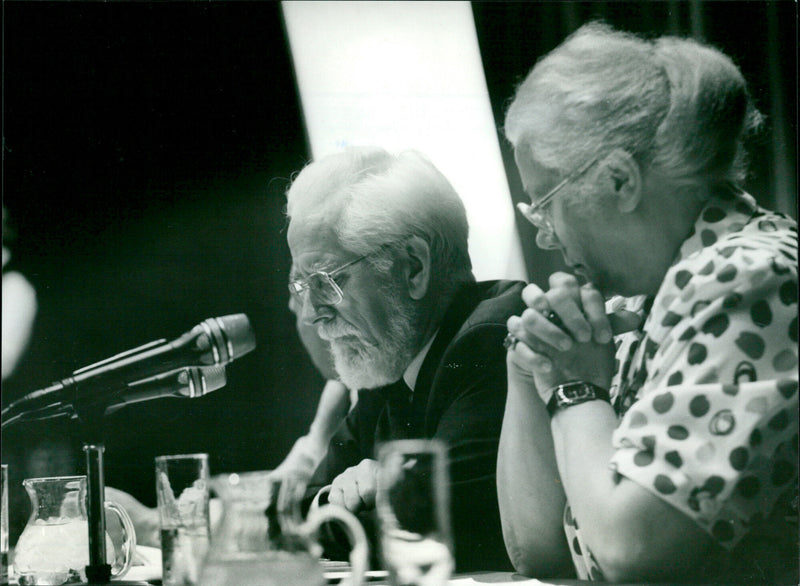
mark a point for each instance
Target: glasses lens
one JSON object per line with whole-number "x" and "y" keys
{"x": 539, "y": 219}
{"x": 535, "y": 217}
{"x": 324, "y": 289}
{"x": 296, "y": 288}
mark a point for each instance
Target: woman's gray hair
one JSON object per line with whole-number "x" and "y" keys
{"x": 373, "y": 199}
{"x": 680, "y": 107}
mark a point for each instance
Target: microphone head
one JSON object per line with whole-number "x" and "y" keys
{"x": 202, "y": 380}
{"x": 231, "y": 336}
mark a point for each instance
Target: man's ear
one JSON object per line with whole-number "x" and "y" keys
{"x": 626, "y": 179}
{"x": 418, "y": 267}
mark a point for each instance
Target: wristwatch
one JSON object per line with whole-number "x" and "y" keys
{"x": 574, "y": 393}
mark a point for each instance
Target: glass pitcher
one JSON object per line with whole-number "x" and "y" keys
{"x": 54, "y": 546}
{"x": 255, "y": 545}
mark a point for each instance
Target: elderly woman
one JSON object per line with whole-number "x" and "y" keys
{"x": 676, "y": 441}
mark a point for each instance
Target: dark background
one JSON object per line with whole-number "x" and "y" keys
{"x": 146, "y": 151}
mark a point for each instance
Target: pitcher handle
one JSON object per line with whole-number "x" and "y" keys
{"x": 359, "y": 547}
{"x": 128, "y": 538}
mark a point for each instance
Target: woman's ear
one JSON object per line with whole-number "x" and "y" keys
{"x": 626, "y": 179}
{"x": 418, "y": 267}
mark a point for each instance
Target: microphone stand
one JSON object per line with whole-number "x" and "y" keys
{"x": 99, "y": 570}
{"x": 218, "y": 340}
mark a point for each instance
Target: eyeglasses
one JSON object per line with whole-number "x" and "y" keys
{"x": 534, "y": 212}
{"x": 322, "y": 285}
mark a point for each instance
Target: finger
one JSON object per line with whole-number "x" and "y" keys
{"x": 538, "y": 363}
{"x": 564, "y": 298}
{"x": 345, "y": 495}
{"x": 365, "y": 489}
{"x": 562, "y": 279}
{"x": 352, "y": 498}
{"x": 522, "y": 353}
{"x": 594, "y": 309}
{"x": 535, "y": 328}
{"x": 336, "y": 496}
{"x": 531, "y": 293}
{"x": 366, "y": 481}
{"x": 537, "y": 323}
{"x": 526, "y": 331}
{"x": 345, "y": 491}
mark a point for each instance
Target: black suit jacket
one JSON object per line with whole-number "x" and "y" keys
{"x": 459, "y": 398}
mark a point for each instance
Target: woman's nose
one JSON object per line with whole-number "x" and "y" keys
{"x": 546, "y": 240}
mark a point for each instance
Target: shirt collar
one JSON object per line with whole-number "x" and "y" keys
{"x": 721, "y": 215}
{"x": 412, "y": 372}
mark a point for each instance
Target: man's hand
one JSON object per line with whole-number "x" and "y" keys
{"x": 566, "y": 334}
{"x": 355, "y": 488}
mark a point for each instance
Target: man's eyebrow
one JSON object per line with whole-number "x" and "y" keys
{"x": 313, "y": 267}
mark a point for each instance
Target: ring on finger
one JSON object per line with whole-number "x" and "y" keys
{"x": 510, "y": 341}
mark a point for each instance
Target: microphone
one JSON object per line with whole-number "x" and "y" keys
{"x": 215, "y": 341}
{"x": 183, "y": 383}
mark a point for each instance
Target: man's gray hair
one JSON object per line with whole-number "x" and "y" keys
{"x": 373, "y": 199}
{"x": 680, "y": 107}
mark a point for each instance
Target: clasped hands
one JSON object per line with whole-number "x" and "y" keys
{"x": 565, "y": 335}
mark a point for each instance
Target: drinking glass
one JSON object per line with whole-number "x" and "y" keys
{"x": 413, "y": 505}
{"x": 182, "y": 494}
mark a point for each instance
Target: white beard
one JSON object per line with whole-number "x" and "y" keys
{"x": 361, "y": 365}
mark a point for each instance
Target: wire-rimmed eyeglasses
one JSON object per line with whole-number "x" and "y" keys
{"x": 534, "y": 211}
{"x": 321, "y": 285}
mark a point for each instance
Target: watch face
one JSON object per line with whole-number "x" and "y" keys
{"x": 572, "y": 393}
{"x": 575, "y": 393}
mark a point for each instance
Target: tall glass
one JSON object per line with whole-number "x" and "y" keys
{"x": 182, "y": 494}
{"x": 413, "y": 504}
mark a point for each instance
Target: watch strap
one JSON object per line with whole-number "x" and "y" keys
{"x": 574, "y": 393}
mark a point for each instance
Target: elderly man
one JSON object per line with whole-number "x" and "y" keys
{"x": 678, "y": 448}
{"x": 379, "y": 247}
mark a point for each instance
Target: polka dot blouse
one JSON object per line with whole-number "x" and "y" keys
{"x": 706, "y": 392}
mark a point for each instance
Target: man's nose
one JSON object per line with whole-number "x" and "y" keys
{"x": 313, "y": 311}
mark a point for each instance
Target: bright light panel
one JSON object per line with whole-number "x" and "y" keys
{"x": 406, "y": 75}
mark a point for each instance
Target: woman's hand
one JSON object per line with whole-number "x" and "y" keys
{"x": 566, "y": 334}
